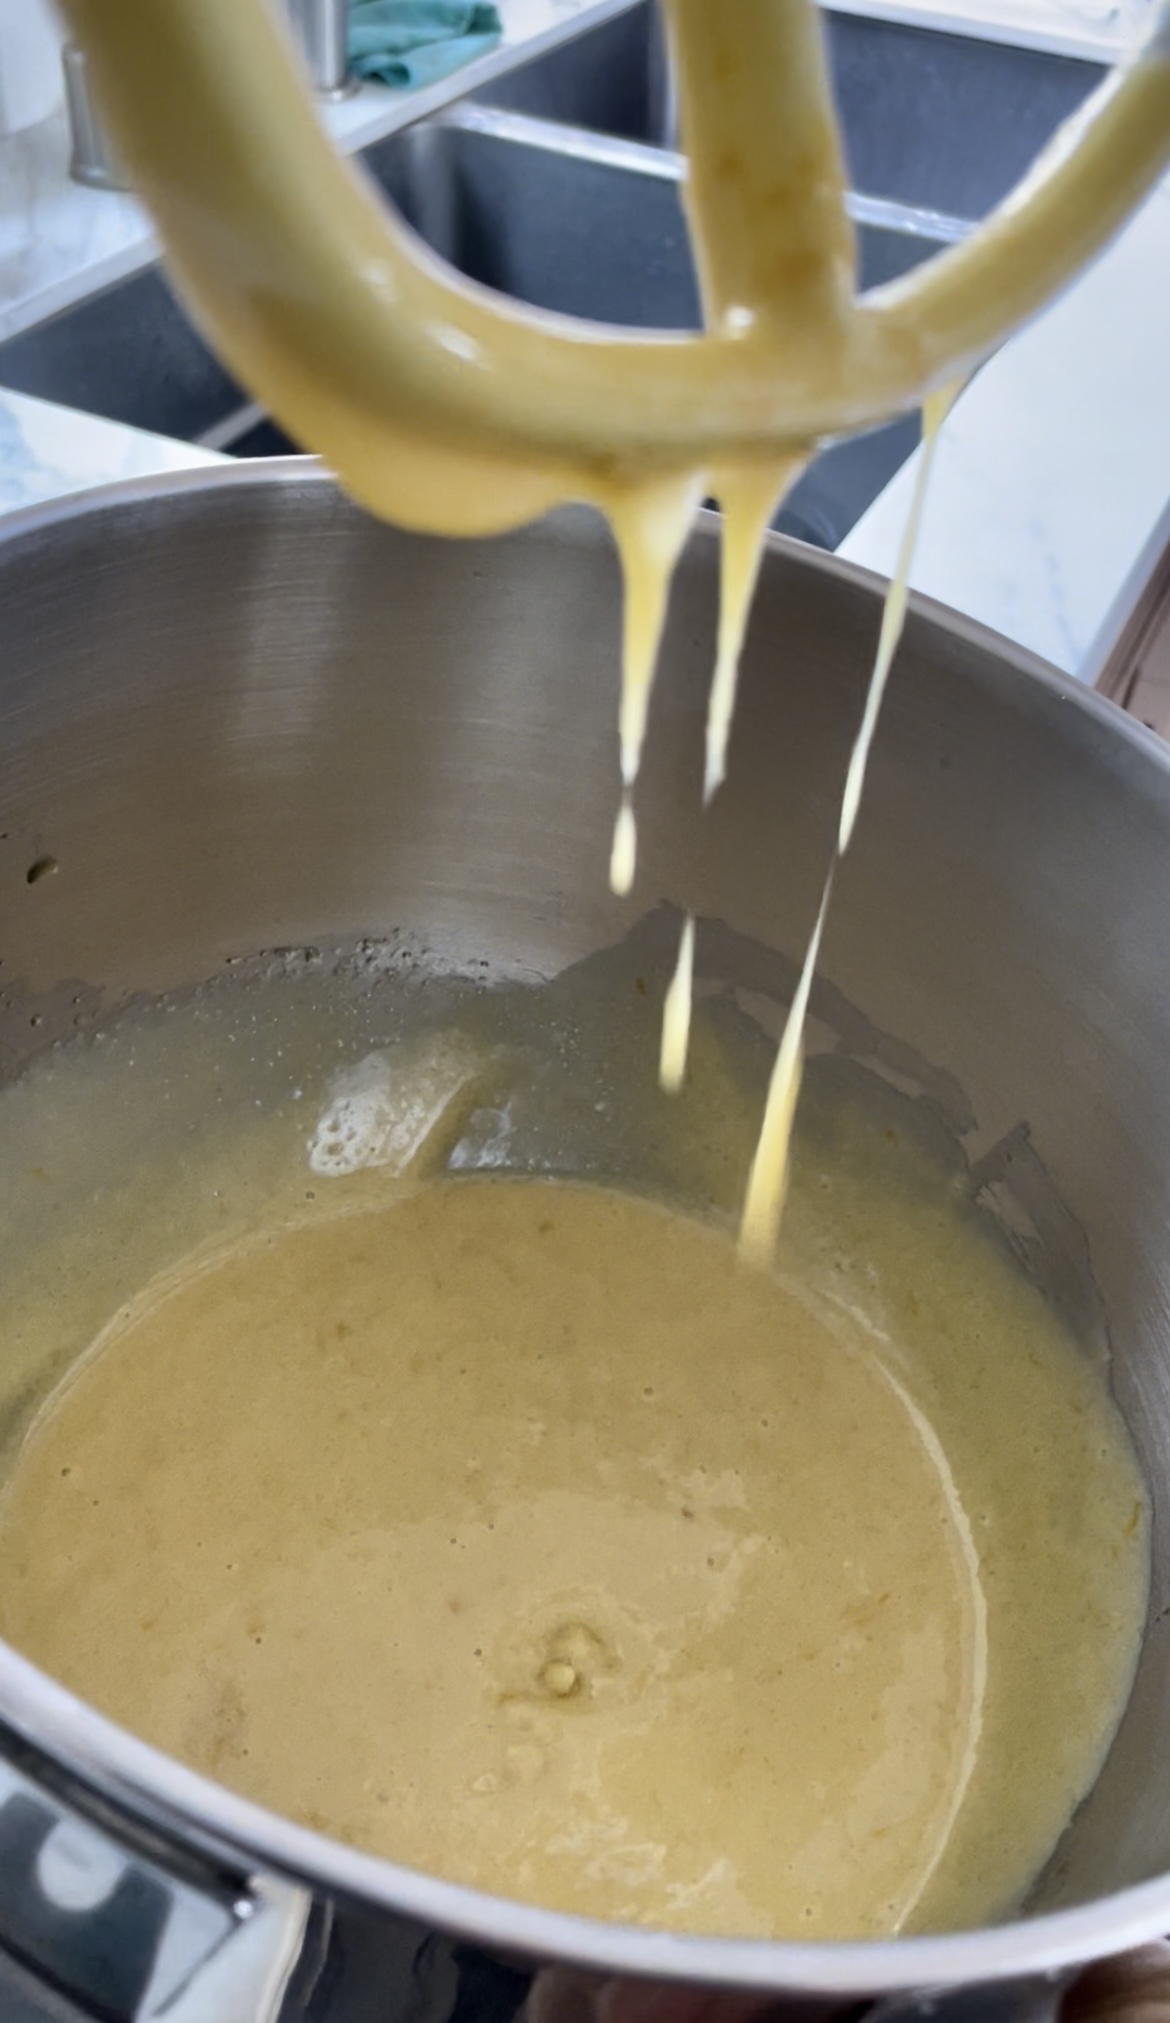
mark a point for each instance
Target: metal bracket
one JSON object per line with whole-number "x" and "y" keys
{"x": 124, "y": 1938}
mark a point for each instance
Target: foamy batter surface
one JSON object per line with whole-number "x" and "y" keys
{"x": 514, "y": 1530}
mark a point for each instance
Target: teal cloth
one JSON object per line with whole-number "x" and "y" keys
{"x": 413, "y": 42}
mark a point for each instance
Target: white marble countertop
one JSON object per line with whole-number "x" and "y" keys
{"x": 47, "y": 451}
{"x": 1053, "y": 468}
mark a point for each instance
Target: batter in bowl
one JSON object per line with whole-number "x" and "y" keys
{"x": 515, "y": 1530}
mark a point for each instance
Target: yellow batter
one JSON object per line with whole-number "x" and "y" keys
{"x": 514, "y": 1530}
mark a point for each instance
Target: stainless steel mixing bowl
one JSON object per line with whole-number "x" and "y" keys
{"x": 235, "y": 714}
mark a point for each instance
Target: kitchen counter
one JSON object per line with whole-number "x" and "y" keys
{"x": 1053, "y": 468}
{"x": 47, "y": 451}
